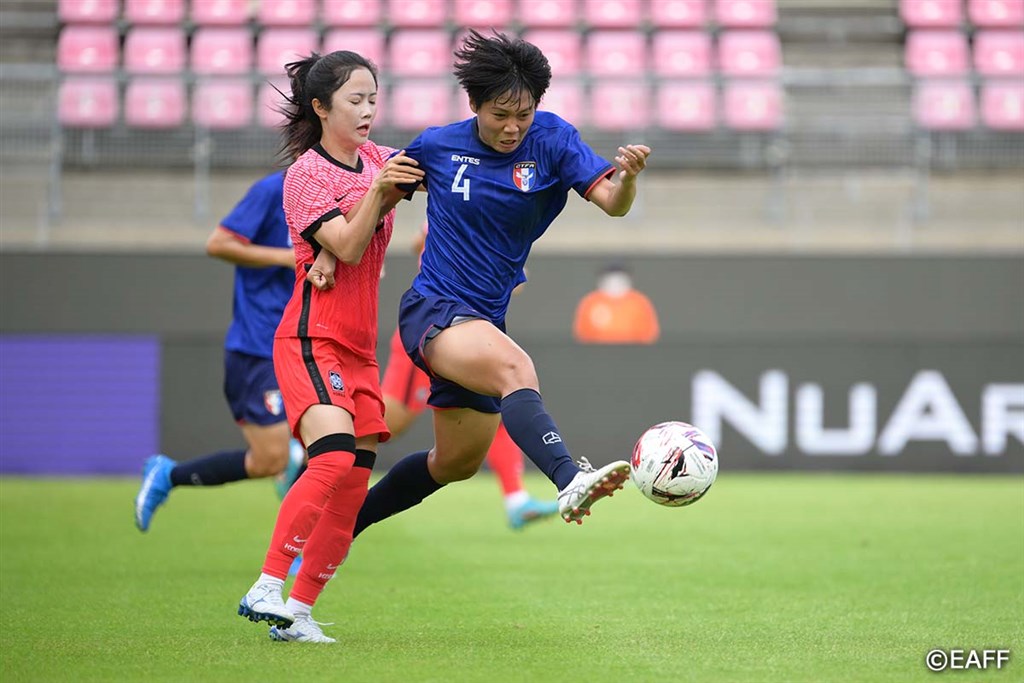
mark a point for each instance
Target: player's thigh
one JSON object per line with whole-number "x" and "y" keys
{"x": 481, "y": 358}
{"x": 268, "y": 446}
{"x": 462, "y": 437}
{"x": 321, "y": 420}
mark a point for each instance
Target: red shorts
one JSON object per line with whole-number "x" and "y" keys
{"x": 322, "y": 372}
{"x": 403, "y": 380}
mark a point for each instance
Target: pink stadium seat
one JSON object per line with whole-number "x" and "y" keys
{"x": 996, "y": 13}
{"x": 547, "y": 14}
{"x": 679, "y": 13}
{"x": 563, "y": 48}
{"x": 419, "y": 52}
{"x": 279, "y": 46}
{"x": 87, "y": 11}
{"x": 619, "y": 105}
{"x": 286, "y": 12}
{"x": 746, "y": 13}
{"x": 222, "y": 104}
{"x": 616, "y": 53}
{"x": 220, "y": 12}
{"x": 155, "y": 50}
{"x": 221, "y": 51}
{"x": 565, "y": 98}
{"x": 155, "y": 103}
{"x": 999, "y": 53}
{"x": 482, "y": 13}
{"x": 681, "y": 53}
{"x": 418, "y": 104}
{"x": 932, "y": 13}
{"x": 944, "y": 105}
{"x": 351, "y": 12}
{"x": 749, "y": 53}
{"x": 1002, "y": 105}
{"x": 154, "y": 11}
{"x": 87, "y": 49}
{"x": 417, "y": 13}
{"x": 686, "y": 106}
{"x": 613, "y": 13}
{"x": 87, "y": 103}
{"x": 752, "y": 105}
{"x": 936, "y": 53}
{"x": 369, "y": 44}
{"x": 269, "y": 102}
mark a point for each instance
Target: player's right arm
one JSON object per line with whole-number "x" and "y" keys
{"x": 227, "y": 245}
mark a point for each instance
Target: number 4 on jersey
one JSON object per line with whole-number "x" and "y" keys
{"x": 461, "y": 184}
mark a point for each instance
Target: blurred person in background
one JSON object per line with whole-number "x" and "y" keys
{"x": 615, "y": 312}
{"x": 406, "y": 388}
{"x": 325, "y": 346}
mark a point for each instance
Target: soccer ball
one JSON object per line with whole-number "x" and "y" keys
{"x": 674, "y": 464}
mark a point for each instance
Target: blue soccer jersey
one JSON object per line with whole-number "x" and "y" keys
{"x": 486, "y": 208}
{"x": 260, "y": 293}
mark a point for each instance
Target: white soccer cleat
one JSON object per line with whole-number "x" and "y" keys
{"x": 263, "y": 603}
{"x": 303, "y": 630}
{"x": 588, "y": 486}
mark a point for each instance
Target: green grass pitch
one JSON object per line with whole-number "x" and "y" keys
{"x": 769, "y": 578}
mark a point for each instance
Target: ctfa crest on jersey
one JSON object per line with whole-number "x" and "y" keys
{"x": 524, "y": 175}
{"x": 336, "y": 382}
{"x": 273, "y": 402}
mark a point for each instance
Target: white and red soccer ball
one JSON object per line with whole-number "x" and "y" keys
{"x": 674, "y": 464}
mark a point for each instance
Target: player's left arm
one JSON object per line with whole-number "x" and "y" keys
{"x": 616, "y": 198}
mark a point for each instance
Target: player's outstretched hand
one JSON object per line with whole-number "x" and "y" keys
{"x": 399, "y": 170}
{"x": 631, "y": 160}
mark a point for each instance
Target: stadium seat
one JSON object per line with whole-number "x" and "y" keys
{"x": 221, "y": 51}
{"x": 681, "y": 53}
{"x": 565, "y": 98}
{"x": 563, "y": 48}
{"x": 547, "y": 14}
{"x": 369, "y": 44}
{"x": 286, "y": 12}
{"x": 932, "y": 13}
{"x": 746, "y": 13}
{"x": 996, "y": 13}
{"x": 749, "y": 53}
{"x": 944, "y": 105}
{"x": 279, "y": 46}
{"x": 1002, "y": 105}
{"x": 619, "y": 105}
{"x": 613, "y": 13}
{"x": 419, "y": 52}
{"x": 349, "y": 13}
{"x": 220, "y": 12}
{"x": 616, "y": 53}
{"x": 417, "y": 13}
{"x": 679, "y": 13}
{"x": 482, "y": 13}
{"x": 936, "y": 53}
{"x": 222, "y": 104}
{"x": 154, "y": 11}
{"x": 686, "y": 106}
{"x": 87, "y": 103}
{"x": 752, "y": 105}
{"x": 999, "y": 53}
{"x": 416, "y": 104}
{"x": 87, "y": 11}
{"x": 155, "y": 50}
{"x": 155, "y": 103}
{"x": 269, "y": 102}
{"x": 87, "y": 49}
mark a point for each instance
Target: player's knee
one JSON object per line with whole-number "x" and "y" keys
{"x": 517, "y": 371}
{"x": 448, "y": 470}
{"x": 267, "y": 460}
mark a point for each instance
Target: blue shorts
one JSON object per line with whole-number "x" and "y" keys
{"x": 420, "y": 319}
{"x": 250, "y": 387}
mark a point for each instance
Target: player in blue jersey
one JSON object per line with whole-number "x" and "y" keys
{"x": 495, "y": 183}
{"x": 254, "y": 237}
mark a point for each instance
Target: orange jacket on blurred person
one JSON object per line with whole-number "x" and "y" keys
{"x": 615, "y": 312}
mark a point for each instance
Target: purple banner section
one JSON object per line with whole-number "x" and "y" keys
{"x": 78, "y": 405}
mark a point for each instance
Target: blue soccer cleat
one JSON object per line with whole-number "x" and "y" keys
{"x": 530, "y": 511}
{"x": 156, "y": 484}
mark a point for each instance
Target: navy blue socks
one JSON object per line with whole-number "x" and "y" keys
{"x": 211, "y": 470}
{"x": 533, "y": 430}
{"x": 405, "y": 485}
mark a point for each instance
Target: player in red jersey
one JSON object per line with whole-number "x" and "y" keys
{"x": 325, "y": 345}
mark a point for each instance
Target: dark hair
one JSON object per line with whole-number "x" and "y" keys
{"x": 315, "y": 77}
{"x": 487, "y": 68}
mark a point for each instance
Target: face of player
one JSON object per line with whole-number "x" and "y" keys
{"x": 503, "y": 121}
{"x": 353, "y": 107}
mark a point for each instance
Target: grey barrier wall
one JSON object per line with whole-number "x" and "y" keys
{"x": 795, "y": 362}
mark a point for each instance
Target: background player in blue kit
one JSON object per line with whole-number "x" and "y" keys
{"x": 495, "y": 183}
{"x": 254, "y": 237}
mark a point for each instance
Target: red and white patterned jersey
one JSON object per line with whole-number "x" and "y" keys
{"x": 317, "y": 188}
